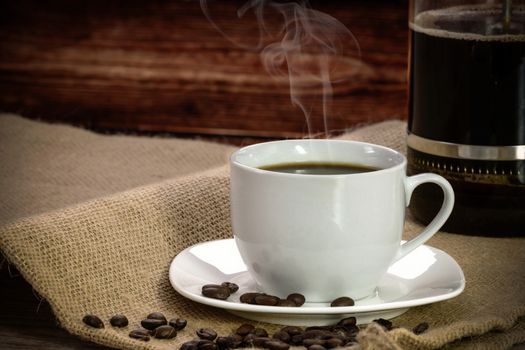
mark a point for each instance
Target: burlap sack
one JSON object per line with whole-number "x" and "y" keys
{"x": 93, "y": 222}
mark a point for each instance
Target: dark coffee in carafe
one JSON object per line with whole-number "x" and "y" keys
{"x": 467, "y": 115}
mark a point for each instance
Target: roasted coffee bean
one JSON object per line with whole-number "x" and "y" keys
{"x": 277, "y": 345}
{"x": 318, "y": 328}
{"x": 248, "y": 340}
{"x": 190, "y": 345}
{"x": 260, "y": 332}
{"x": 316, "y": 347}
{"x": 157, "y": 316}
{"x": 244, "y": 329}
{"x": 260, "y": 342}
{"x": 231, "y": 286}
{"x": 282, "y": 336}
{"x": 178, "y": 323}
{"x": 118, "y": 321}
{"x": 225, "y": 343}
{"x": 387, "y": 325}
{"x": 206, "y": 333}
{"x": 93, "y": 321}
{"x": 420, "y": 328}
{"x": 333, "y": 343}
{"x": 268, "y": 300}
{"x": 296, "y": 298}
{"x": 345, "y": 334}
{"x": 340, "y": 333}
{"x": 309, "y": 342}
{"x": 152, "y": 323}
{"x": 205, "y": 344}
{"x": 140, "y": 334}
{"x": 237, "y": 339}
{"x": 342, "y": 301}
{"x": 347, "y": 322}
{"x": 249, "y": 298}
{"x": 164, "y": 332}
{"x": 286, "y": 303}
{"x": 292, "y": 330}
{"x": 353, "y": 330}
{"x": 296, "y": 339}
{"x": 316, "y": 334}
{"x": 216, "y": 291}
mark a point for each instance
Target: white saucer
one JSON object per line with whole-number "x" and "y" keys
{"x": 427, "y": 275}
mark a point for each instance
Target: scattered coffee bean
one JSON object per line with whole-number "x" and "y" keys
{"x": 93, "y": 321}
{"x": 248, "y": 340}
{"x": 206, "y": 333}
{"x": 342, "y": 301}
{"x": 296, "y": 298}
{"x": 249, "y": 298}
{"x": 282, "y": 336}
{"x": 316, "y": 334}
{"x": 387, "y": 325}
{"x": 420, "y": 328}
{"x": 260, "y": 332}
{"x": 157, "y": 316}
{"x": 152, "y": 323}
{"x": 333, "y": 343}
{"x": 140, "y": 334}
{"x": 286, "y": 303}
{"x": 164, "y": 332}
{"x": 316, "y": 347}
{"x": 118, "y": 321}
{"x": 244, "y": 329}
{"x": 237, "y": 340}
{"x": 206, "y": 345}
{"x": 190, "y": 345}
{"x": 292, "y": 330}
{"x": 296, "y": 339}
{"x": 265, "y": 299}
{"x": 318, "y": 328}
{"x": 225, "y": 343}
{"x": 260, "y": 342}
{"x": 178, "y": 323}
{"x": 277, "y": 345}
{"x": 215, "y": 291}
{"x": 345, "y": 334}
{"x": 347, "y": 322}
{"x": 310, "y": 342}
{"x": 231, "y": 286}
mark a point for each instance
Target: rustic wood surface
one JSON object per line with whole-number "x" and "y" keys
{"x": 161, "y": 66}
{"x": 26, "y": 321}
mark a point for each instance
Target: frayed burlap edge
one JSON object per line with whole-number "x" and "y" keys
{"x": 435, "y": 339}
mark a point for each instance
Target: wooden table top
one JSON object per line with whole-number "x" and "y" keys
{"x": 26, "y": 320}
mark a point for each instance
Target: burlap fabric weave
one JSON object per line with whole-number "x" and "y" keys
{"x": 93, "y": 222}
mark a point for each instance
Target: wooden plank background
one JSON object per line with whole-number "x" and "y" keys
{"x": 159, "y": 66}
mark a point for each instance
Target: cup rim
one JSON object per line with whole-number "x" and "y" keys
{"x": 235, "y": 162}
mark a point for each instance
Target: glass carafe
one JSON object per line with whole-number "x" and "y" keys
{"x": 467, "y": 111}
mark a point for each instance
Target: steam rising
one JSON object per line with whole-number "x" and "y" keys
{"x": 305, "y": 46}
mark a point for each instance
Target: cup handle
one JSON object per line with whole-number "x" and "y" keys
{"x": 446, "y": 208}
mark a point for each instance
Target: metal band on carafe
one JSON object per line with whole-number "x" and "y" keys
{"x": 462, "y": 151}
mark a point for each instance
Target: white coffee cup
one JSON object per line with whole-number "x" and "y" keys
{"x": 324, "y": 236}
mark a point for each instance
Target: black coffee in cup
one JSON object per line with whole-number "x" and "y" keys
{"x": 319, "y": 168}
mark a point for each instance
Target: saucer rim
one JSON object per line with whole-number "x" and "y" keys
{"x": 314, "y": 310}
